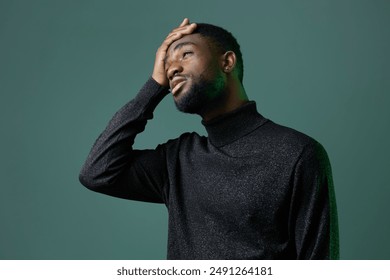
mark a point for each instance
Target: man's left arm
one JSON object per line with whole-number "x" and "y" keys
{"x": 313, "y": 219}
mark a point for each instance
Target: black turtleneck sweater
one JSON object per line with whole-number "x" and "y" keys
{"x": 252, "y": 189}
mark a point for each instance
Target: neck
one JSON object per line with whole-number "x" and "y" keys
{"x": 234, "y": 125}
{"x": 234, "y": 97}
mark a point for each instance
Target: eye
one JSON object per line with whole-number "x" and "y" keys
{"x": 187, "y": 53}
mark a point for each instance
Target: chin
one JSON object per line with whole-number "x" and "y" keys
{"x": 189, "y": 104}
{"x": 200, "y": 96}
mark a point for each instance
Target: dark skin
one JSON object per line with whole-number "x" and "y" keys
{"x": 184, "y": 58}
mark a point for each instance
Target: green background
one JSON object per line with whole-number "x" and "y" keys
{"x": 321, "y": 67}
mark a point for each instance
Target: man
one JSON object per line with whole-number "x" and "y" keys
{"x": 252, "y": 189}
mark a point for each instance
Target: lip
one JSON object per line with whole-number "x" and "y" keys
{"x": 177, "y": 87}
{"x": 176, "y": 81}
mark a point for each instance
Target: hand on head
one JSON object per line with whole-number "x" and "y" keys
{"x": 159, "y": 74}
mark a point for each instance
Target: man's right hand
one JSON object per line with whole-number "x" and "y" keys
{"x": 159, "y": 73}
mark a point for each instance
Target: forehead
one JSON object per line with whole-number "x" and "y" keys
{"x": 192, "y": 39}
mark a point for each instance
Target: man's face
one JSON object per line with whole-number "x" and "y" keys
{"x": 193, "y": 68}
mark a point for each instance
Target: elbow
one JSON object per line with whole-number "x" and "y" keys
{"x": 86, "y": 181}
{"x": 100, "y": 185}
{"x": 97, "y": 182}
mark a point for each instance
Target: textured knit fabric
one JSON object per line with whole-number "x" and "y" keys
{"x": 252, "y": 189}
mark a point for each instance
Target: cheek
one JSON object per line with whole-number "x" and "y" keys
{"x": 207, "y": 70}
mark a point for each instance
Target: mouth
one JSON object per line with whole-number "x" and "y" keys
{"x": 176, "y": 84}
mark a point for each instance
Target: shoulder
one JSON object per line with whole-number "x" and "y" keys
{"x": 286, "y": 135}
{"x": 289, "y": 142}
{"x": 308, "y": 149}
{"x": 301, "y": 150}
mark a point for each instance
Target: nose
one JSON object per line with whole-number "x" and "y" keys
{"x": 174, "y": 69}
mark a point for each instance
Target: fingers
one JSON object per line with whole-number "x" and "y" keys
{"x": 179, "y": 32}
{"x": 185, "y": 25}
{"x": 175, "y": 36}
{"x": 159, "y": 73}
{"x": 183, "y": 28}
{"x": 184, "y": 22}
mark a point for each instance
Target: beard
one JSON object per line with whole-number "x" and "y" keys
{"x": 202, "y": 96}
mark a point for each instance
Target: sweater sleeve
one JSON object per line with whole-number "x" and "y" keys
{"x": 313, "y": 218}
{"x": 114, "y": 168}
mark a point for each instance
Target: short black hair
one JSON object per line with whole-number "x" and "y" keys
{"x": 223, "y": 40}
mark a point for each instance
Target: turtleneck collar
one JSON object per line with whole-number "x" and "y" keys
{"x": 233, "y": 125}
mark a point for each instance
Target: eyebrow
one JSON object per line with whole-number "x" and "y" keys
{"x": 177, "y": 47}
{"x": 182, "y": 44}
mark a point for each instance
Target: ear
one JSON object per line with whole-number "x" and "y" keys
{"x": 229, "y": 61}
